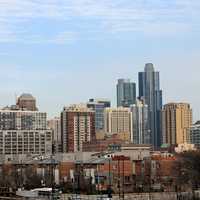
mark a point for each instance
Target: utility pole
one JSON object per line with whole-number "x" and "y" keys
{"x": 119, "y": 179}
{"x": 123, "y": 180}
{"x": 109, "y": 187}
{"x": 52, "y": 178}
{"x": 98, "y": 191}
{"x": 21, "y": 175}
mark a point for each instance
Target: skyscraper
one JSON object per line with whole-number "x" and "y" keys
{"x": 140, "y": 132}
{"x": 99, "y": 105}
{"x": 177, "y": 119}
{"x": 126, "y": 93}
{"x": 149, "y": 91}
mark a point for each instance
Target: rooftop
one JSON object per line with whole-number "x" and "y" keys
{"x": 26, "y": 96}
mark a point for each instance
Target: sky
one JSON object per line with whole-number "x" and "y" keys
{"x": 67, "y": 51}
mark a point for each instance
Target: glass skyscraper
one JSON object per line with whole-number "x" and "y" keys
{"x": 126, "y": 93}
{"x": 149, "y": 91}
{"x": 194, "y": 134}
{"x": 99, "y": 105}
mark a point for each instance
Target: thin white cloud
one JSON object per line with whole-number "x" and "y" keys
{"x": 64, "y": 38}
{"x": 105, "y": 16}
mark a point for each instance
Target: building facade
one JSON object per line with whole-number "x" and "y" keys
{"x": 77, "y": 127}
{"x": 98, "y": 106}
{"x": 22, "y": 120}
{"x": 26, "y": 102}
{"x": 195, "y": 134}
{"x": 55, "y": 125}
{"x": 24, "y": 132}
{"x": 140, "y": 134}
{"x": 126, "y": 93}
{"x": 118, "y": 121}
{"x": 25, "y": 142}
{"x": 176, "y": 121}
{"x": 149, "y": 91}
{"x": 105, "y": 102}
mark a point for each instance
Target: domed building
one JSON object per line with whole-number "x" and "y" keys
{"x": 26, "y": 102}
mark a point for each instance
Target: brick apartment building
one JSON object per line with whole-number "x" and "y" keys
{"x": 77, "y": 127}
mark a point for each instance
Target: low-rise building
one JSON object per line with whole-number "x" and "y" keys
{"x": 185, "y": 147}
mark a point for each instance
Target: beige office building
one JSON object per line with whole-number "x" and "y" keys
{"x": 118, "y": 121}
{"x": 176, "y": 120}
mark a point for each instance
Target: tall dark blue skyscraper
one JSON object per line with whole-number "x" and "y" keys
{"x": 149, "y": 91}
{"x": 126, "y": 93}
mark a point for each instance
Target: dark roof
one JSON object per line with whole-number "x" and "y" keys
{"x": 26, "y": 96}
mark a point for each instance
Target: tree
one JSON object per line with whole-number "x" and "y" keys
{"x": 190, "y": 168}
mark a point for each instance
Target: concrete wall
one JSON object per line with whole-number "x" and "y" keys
{"x": 144, "y": 196}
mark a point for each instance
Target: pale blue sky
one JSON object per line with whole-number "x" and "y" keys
{"x": 66, "y": 51}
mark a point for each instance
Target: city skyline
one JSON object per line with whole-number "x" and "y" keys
{"x": 11, "y": 100}
{"x": 99, "y": 99}
{"x": 69, "y": 45}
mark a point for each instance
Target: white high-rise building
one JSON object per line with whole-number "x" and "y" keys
{"x": 140, "y": 133}
{"x": 194, "y": 134}
{"x": 55, "y": 125}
